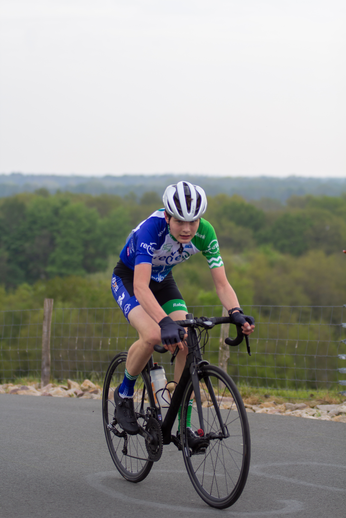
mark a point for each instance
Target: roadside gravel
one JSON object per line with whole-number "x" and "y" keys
{"x": 88, "y": 390}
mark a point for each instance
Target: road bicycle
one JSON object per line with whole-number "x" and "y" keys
{"x": 219, "y": 465}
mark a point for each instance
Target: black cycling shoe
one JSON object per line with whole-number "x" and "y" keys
{"x": 125, "y": 413}
{"x": 198, "y": 445}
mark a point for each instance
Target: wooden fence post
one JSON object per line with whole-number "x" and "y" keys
{"x": 223, "y": 348}
{"x": 47, "y": 321}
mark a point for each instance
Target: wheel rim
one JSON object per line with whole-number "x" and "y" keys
{"x": 128, "y": 452}
{"x": 219, "y": 474}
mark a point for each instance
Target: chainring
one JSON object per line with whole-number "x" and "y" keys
{"x": 154, "y": 447}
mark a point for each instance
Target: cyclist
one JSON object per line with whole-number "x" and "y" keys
{"x": 144, "y": 288}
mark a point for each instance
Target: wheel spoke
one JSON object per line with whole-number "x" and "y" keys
{"x": 133, "y": 464}
{"x": 219, "y": 474}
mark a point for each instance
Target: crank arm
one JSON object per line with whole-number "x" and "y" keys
{"x": 146, "y": 435}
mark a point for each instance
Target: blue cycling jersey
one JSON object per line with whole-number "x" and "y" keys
{"x": 150, "y": 242}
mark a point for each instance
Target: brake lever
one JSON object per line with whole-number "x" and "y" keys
{"x": 247, "y": 345}
{"x": 174, "y": 355}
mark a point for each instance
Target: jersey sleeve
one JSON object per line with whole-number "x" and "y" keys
{"x": 212, "y": 251}
{"x": 146, "y": 242}
{"x": 208, "y": 244}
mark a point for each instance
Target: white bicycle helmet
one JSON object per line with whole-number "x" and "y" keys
{"x": 185, "y": 201}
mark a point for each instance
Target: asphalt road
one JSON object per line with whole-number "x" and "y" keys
{"x": 54, "y": 463}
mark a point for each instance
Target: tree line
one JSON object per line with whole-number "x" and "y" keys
{"x": 65, "y": 245}
{"x": 250, "y": 188}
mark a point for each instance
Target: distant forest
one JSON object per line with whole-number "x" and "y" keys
{"x": 65, "y": 245}
{"x": 250, "y": 188}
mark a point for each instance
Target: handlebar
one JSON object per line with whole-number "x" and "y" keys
{"x": 208, "y": 323}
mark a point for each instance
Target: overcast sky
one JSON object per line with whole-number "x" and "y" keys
{"x": 219, "y": 87}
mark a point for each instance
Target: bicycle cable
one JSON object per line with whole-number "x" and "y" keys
{"x": 203, "y": 338}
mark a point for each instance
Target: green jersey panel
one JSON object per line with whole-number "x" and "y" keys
{"x": 205, "y": 241}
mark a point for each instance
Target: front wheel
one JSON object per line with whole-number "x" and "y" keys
{"x": 219, "y": 471}
{"x": 129, "y": 452}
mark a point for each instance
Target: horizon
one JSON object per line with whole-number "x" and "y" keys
{"x": 202, "y": 175}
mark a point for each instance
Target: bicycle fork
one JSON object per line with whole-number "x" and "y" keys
{"x": 195, "y": 376}
{"x": 197, "y": 392}
{"x": 224, "y": 432}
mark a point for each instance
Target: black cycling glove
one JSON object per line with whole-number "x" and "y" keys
{"x": 239, "y": 319}
{"x": 171, "y": 332}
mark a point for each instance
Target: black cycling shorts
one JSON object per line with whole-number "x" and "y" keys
{"x": 166, "y": 292}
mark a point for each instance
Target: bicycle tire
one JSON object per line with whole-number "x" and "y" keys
{"x": 133, "y": 464}
{"x": 219, "y": 474}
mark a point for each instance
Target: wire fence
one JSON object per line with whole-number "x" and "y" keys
{"x": 292, "y": 347}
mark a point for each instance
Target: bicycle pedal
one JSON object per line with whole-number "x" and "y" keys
{"x": 119, "y": 433}
{"x": 200, "y": 449}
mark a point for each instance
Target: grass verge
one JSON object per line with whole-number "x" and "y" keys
{"x": 258, "y": 395}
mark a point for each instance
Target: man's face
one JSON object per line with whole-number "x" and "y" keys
{"x": 182, "y": 231}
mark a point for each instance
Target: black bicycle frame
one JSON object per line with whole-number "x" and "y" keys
{"x": 193, "y": 359}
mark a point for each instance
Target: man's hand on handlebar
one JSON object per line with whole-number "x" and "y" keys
{"x": 246, "y": 322}
{"x": 172, "y": 334}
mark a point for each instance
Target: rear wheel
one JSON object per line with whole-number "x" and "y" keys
{"x": 220, "y": 471}
{"x": 129, "y": 452}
